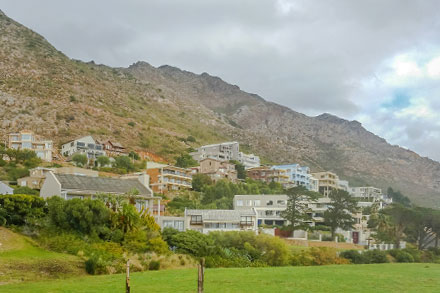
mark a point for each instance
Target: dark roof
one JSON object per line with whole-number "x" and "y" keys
{"x": 101, "y": 184}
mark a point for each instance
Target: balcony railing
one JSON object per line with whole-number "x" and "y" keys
{"x": 246, "y": 223}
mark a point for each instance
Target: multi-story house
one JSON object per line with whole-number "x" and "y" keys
{"x": 268, "y": 175}
{"x": 270, "y": 207}
{"x": 225, "y": 152}
{"x": 298, "y": 175}
{"x": 367, "y": 196}
{"x": 217, "y": 169}
{"x": 206, "y": 221}
{"x": 166, "y": 178}
{"x": 327, "y": 181}
{"x": 113, "y": 149}
{"x": 84, "y": 145}
{"x": 27, "y": 140}
{"x": 267, "y": 207}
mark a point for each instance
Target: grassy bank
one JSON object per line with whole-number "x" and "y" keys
{"x": 342, "y": 278}
{"x": 21, "y": 260}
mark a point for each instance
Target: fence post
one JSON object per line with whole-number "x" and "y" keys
{"x": 127, "y": 278}
{"x": 201, "y": 275}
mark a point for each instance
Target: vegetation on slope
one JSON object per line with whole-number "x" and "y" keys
{"x": 22, "y": 260}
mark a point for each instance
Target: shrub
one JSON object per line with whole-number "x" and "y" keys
{"x": 131, "y": 123}
{"x": 375, "y": 256}
{"x": 95, "y": 265}
{"x": 154, "y": 265}
{"x": 326, "y": 256}
{"x": 354, "y": 256}
{"x": 19, "y": 209}
{"x": 401, "y": 256}
{"x": 26, "y": 190}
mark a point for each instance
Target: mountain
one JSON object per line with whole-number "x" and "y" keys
{"x": 43, "y": 90}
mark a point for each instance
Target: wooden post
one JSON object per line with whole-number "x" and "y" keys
{"x": 201, "y": 275}
{"x": 127, "y": 278}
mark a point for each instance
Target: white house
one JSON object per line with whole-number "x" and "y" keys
{"x": 70, "y": 186}
{"x": 84, "y": 145}
{"x": 226, "y": 151}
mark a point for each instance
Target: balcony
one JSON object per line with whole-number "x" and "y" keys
{"x": 246, "y": 223}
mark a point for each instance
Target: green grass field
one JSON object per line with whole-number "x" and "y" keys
{"x": 22, "y": 260}
{"x": 342, "y": 278}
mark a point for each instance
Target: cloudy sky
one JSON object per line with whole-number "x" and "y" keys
{"x": 375, "y": 61}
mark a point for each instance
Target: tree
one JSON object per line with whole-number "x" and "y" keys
{"x": 80, "y": 160}
{"x": 185, "y": 161}
{"x": 339, "y": 214}
{"x": 297, "y": 207}
{"x": 241, "y": 171}
{"x": 390, "y": 223}
{"x": 398, "y": 197}
{"x": 199, "y": 181}
{"x": 134, "y": 156}
{"x": 26, "y": 190}
{"x": 123, "y": 162}
{"x": 103, "y": 161}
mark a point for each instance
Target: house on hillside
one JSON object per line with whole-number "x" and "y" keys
{"x": 5, "y": 188}
{"x": 226, "y": 151}
{"x": 268, "y": 175}
{"x": 167, "y": 178}
{"x": 113, "y": 148}
{"x": 217, "y": 169}
{"x": 298, "y": 175}
{"x": 327, "y": 181}
{"x": 85, "y": 145}
{"x": 27, "y": 140}
{"x": 37, "y": 175}
{"x": 206, "y": 221}
{"x": 70, "y": 186}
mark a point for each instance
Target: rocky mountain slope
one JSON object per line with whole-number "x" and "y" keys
{"x": 43, "y": 90}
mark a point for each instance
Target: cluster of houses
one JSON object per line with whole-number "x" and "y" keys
{"x": 251, "y": 212}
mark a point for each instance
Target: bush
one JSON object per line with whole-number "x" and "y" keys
{"x": 20, "y": 209}
{"x": 375, "y": 256}
{"x": 354, "y": 256}
{"x": 26, "y": 190}
{"x": 95, "y": 265}
{"x": 154, "y": 265}
{"x": 401, "y": 255}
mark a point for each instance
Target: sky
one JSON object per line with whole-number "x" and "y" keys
{"x": 374, "y": 61}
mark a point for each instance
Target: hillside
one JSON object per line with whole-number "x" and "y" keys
{"x": 43, "y": 90}
{"x": 22, "y": 260}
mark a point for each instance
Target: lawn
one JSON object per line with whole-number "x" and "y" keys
{"x": 22, "y": 260}
{"x": 342, "y": 278}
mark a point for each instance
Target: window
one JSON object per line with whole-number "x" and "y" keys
{"x": 196, "y": 219}
{"x": 239, "y": 203}
{"x": 269, "y": 213}
{"x": 257, "y": 203}
{"x": 270, "y": 203}
{"x": 246, "y": 220}
{"x": 26, "y": 137}
{"x": 26, "y": 145}
{"x": 281, "y": 202}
